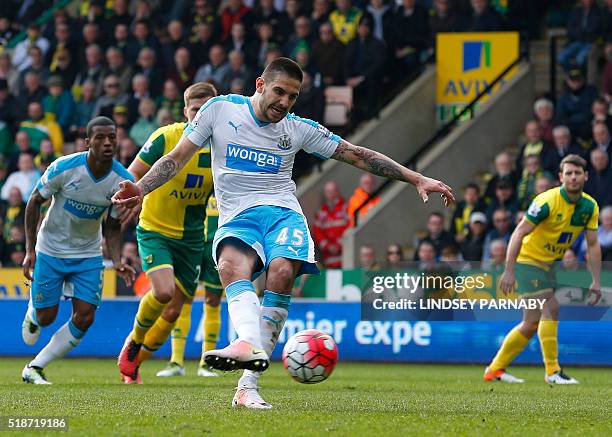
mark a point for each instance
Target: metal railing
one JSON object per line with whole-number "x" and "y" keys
{"x": 441, "y": 133}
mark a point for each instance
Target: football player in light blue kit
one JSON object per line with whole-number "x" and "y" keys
{"x": 67, "y": 257}
{"x": 261, "y": 225}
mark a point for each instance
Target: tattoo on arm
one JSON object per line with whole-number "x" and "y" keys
{"x": 32, "y": 216}
{"x": 371, "y": 161}
{"x": 161, "y": 172}
{"x": 112, "y": 234}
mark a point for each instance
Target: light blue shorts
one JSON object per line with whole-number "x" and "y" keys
{"x": 81, "y": 278}
{"x": 273, "y": 232}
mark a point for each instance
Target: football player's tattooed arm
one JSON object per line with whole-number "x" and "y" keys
{"x": 32, "y": 217}
{"x": 167, "y": 166}
{"x": 381, "y": 165}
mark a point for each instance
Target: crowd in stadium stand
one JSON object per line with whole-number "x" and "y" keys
{"x": 131, "y": 59}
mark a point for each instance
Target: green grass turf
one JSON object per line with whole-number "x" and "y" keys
{"x": 358, "y": 400}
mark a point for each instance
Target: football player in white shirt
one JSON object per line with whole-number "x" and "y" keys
{"x": 67, "y": 258}
{"x": 261, "y": 225}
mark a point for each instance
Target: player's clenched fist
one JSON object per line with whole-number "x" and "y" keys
{"x": 128, "y": 196}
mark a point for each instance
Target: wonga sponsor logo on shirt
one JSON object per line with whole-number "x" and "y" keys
{"x": 84, "y": 210}
{"x": 252, "y": 160}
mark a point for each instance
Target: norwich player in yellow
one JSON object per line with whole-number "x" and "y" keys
{"x": 211, "y": 284}
{"x": 552, "y": 223}
{"x": 170, "y": 237}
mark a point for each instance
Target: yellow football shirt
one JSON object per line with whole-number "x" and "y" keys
{"x": 558, "y": 223}
{"x": 177, "y": 209}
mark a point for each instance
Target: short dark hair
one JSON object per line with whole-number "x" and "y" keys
{"x": 436, "y": 214}
{"x": 199, "y": 90}
{"x": 575, "y": 160}
{"x": 283, "y": 66}
{"x": 472, "y": 186}
{"x": 98, "y": 121}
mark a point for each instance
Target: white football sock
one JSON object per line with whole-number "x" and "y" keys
{"x": 274, "y": 312}
{"x": 63, "y": 341}
{"x": 244, "y": 311}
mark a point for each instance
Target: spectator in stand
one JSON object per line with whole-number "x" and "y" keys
{"x": 171, "y": 100}
{"x": 8, "y": 73}
{"x": 23, "y": 143}
{"x": 367, "y": 258}
{"x": 37, "y": 65}
{"x": 140, "y": 90}
{"x": 235, "y": 12}
{"x": 121, "y": 117}
{"x": 146, "y": 65}
{"x": 300, "y": 39}
{"x": 175, "y": 40}
{"x": 525, "y": 189}
{"x": 504, "y": 170}
{"x": 121, "y": 13}
{"x": 93, "y": 69}
{"x": 364, "y": 67}
{"x": 112, "y": 96}
{"x": 382, "y": 20}
{"x": 25, "y": 178}
{"x": 605, "y": 233}
{"x": 183, "y": 72}
{"x": 329, "y": 225}
{"x": 6, "y": 139}
{"x": 265, "y": 12}
{"x": 217, "y": 69}
{"x": 202, "y": 43}
{"x": 504, "y": 198}
{"x": 164, "y": 117}
{"x": 481, "y": 18}
{"x": 585, "y": 27}
{"x": 311, "y": 103}
{"x": 8, "y": 105}
{"x": 543, "y": 184}
{"x": 46, "y": 156}
{"x": 59, "y": 104}
{"x": 544, "y": 111}
{"x": 562, "y": 146}
{"x": 426, "y": 255}
{"x": 121, "y": 39}
{"x": 16, "y": 249}
{"x": 265, "y": 41}
{"x": 238, "y": 70}
{"x": 21, "y": 58}
{"x": 436, "y": 234}
{"x": 127, "y": 151}
{"x": 534, "y": 144}
{"x": 325, "y": 54}
{"x": 502, "y": 230}
{"x": 38, "y": 128}
{"x": 497, "y": 256}
{"x": 238, "y": 42}
{"x": 203, "y": 11}
{"x": 601, "y": 139}
{"x": 410, "y": 35}
{"x": 606, "y": 76}
{"x": 146, "y": 123}
{"x": 470, "y": 203}
{"x": 65, "y": 67}
{"x": 117, "y": 66}
{"x": 361, "y": 194}
{"x": 599, "y": 183}
{"x": 473, "y": 245}
{"x": 320, "y": 14}
{"x": 142, "y": 37}
{"x": 34, "y": 92}
{"x": 574, "y": 106}
{"x": 345, "y": 20}
{"x": 287, "y": 19}
{"x": 84, "y": 109}
{"x": 441, "y": 19}
{"x": 12, "y": 212}
{"x": 600, "y": 110}
{"x": 395, "y": 257}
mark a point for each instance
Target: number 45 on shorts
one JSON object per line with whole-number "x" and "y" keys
{"x": 297, "y": 236}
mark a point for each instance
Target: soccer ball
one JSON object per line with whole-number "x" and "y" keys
{"x": 310, "y": 356}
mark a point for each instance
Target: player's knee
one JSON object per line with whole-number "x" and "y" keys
{"x": 529, "y": 328}
{"x": 280, "y": 275}
{"x": 83, "y": 320}
{"x": 45, "y": 318}
{"x": 230, "y": 271}
{"x": 164, "y": 292}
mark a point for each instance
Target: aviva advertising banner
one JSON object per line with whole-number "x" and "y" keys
{"x": 466, "y": 63}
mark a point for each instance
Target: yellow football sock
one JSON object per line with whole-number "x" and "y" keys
{"x": 179, "y": 335}
{"x": 149, "y": 311}
{"x": 211, "y": 326}
{"x": 155, "y": 338}
{"x": 513, "y": 345}
{"x": 547, "y": 333}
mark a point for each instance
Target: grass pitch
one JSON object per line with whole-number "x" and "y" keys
{"x": 358, "y": 400}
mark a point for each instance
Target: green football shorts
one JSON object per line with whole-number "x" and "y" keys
{"x": 209, "y": 275}
{"x": 158, "y": 251}
{"x": 533, "y": 281}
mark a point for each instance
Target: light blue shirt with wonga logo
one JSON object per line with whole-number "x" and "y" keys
{"x": 252, "y": 160}
{"x": 72, "y": 227}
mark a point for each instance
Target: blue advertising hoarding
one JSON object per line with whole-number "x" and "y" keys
{"x": 580, "y": 343}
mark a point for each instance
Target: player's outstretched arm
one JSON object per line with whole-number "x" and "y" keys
{"x": 112, "y": 235}
{"x": 594, "y": 263}
{"x": 131, "y": 194}
{"x": 32, "y": 217}
{"x": 506, "y": 282}
{"x": 381, "y": 165}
